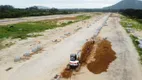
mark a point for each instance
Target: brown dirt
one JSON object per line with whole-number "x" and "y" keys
{"x": 65, "y": 18}
{"x": 86, "y": 50}
{"x": 103, "y": 57}
{"x": 67, "y": 73}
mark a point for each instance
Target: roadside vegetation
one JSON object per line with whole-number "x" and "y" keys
{"x": 83, "y": 17}
{"x": 136, "y": 43}
{"x": 127, "y": 22}
{"x": 133, "y": 17}
{"x": 132, "y": 20}
{"x": 32, "y": 29}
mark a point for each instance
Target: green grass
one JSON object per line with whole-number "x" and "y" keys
{"x": 83, "y": 17}
{"x": 136, "y": 24}
{"x": 139, "y": 50}
{"x": 21, "y": 30}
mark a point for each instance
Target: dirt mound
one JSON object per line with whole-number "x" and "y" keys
{"x": 103, "y": 57}
{"x": 67, "y": 73}
{"x": 86, "y": 51}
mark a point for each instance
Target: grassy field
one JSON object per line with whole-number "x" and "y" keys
{"x": 21, "y": 30}
{"x": 135, "y": 24}
{"x": 25, "y": 29}
{"x": 83, "y": 17}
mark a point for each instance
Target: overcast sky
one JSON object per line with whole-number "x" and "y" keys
{"x": 60, "y": 3}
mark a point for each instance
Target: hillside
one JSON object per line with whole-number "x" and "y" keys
{"x": 126, "y": 4}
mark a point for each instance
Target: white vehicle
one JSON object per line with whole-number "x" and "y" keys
{"x": 74, "y": 61}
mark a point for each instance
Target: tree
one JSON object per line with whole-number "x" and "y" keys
{"x": 4, "y": 8}
{"x": 53, "y": 11}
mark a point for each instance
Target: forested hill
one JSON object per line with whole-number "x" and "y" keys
{"x": 126, "y": 4}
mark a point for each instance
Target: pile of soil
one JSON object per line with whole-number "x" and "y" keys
{"x": 103, "y": 57}
{"x": 67, "y": 73}
{"x": 86, "y": 51}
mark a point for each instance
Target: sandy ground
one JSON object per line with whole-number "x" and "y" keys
{"x": 36, "y": 18}
{"x": 54, "y": 59}
{"x": 126, "y": 66}
{"x": 7, "y": 55}
{"x": 137, "y": 33}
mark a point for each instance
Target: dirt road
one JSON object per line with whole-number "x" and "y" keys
{"x": 54, "y": 58}
{"x": 36, "y": 18}
{"x": 126, "y": 66}
{"x": 7, "y": 55}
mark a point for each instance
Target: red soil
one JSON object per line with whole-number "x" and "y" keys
{"x": 86, "y": 51}
{"x": 67, "y": 73}
{"x": 103, "y": 57}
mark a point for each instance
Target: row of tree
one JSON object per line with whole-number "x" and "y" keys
{"x": 137, "y": 14}
{"x": 8, "y": 11}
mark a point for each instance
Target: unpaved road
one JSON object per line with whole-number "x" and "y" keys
{"x": 36, "y": 18}
{"x": 55, "y": 58}
{"x": 7, "y": 55}
{"x": 126, "y": 66}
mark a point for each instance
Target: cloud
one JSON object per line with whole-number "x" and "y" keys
{"x": 61, "y": 3}
{"x": 75, "y": 5}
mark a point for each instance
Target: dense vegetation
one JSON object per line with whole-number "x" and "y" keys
{"x": 132, "y": 17}
{"x": 7, "y": 11}
{"x": 136, "y": 14}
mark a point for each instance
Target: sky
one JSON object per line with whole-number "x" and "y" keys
{"x": 60, "y": 3}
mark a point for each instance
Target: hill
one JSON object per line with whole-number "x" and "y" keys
{"x": 126, "y": 4}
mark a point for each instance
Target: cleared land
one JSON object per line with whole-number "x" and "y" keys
{"x": 38, "y": 18}
{"x": 32, "y": 29}
{"x": 126, "y": 66}
{"x": 121, "y": 64}
{"x": 50, "y": 38}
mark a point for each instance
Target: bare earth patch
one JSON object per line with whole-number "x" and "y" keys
{"x": 104, "y": 55}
